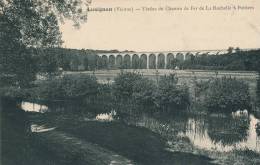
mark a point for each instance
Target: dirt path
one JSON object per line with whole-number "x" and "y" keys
{"x": 71, "y": 150}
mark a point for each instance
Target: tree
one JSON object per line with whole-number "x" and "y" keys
{"x": 16, "y": 65}
{"x": 86, "y": 63}
{"x": 237, "y": 50}
{"x": 47, "y": 63}
{"x": 230, "y": 50}
{"x": 32, "y": 23}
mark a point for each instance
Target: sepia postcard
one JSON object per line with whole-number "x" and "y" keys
{"x": 130, "y": 82}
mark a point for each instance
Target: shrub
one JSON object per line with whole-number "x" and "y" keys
{"x": 68, "y": 87}
{"x": 50, "y": 90}
{"x": 167, "y": 80}
{"x": 14, "y": 92}
{"x": 124, "y": 84}
{"x": 143, "y": 92}
{"x": 200, "y": 87}
{"x": 227, "y": 94}
{"x": 83, "y": 85}
{"x": 170, "y": 95}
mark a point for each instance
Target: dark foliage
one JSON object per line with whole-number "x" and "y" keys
{"x": 16, "y": 140}
{"x": 171, "y": 95}
{"x": 167, "y": 94}
{"x": 227, "y": 94}
{"x": 144, "y": 92}
{"x": 27, "y": 23}
{"x": 239, "y": 60}
{"x": 67, "y": 87}
{"x": 76, "y": 60}
{"x": 124, "y": 84}
{"x": 17, "y": 67}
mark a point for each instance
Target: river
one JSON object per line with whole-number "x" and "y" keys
{"x": 211, "y": 132}
{"x": 66, "y": 130}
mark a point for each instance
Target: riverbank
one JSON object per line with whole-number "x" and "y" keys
{"x": 16, "y": 142}
{"x": 68, "y": 134}
{"x": 139, "y": 144}
{"x": 123, "y": 139}
{"x": 236, "y": 156}
{"x": 69, "y": 149}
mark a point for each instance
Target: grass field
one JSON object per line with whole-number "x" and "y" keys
{"x": 105, "y": 75}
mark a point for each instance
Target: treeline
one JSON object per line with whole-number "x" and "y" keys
{"x": 238, "y": 60}
{"x": 51, "y": 59}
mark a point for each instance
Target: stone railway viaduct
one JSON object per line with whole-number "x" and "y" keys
{"x": 150, "y": 60}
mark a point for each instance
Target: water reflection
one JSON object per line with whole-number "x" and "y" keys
{"x": 223, "y": 133}
{"x": 40, "y": 128}
{"x": 210, "y": 132}
{"x": 228, "y": 130}
{"x": 33, "y": 107}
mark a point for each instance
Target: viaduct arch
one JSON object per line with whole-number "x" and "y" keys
{"x": 148, "y": 60}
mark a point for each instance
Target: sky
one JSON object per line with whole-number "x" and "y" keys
{"x": 167, "y": 30}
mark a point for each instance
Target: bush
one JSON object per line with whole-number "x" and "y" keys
{"x": 50, "y": 90}
{"x": 84, "y": 85}
{"x": 124, "y": 84}
{"x": 200, "y": 87}
{"x": 170, "y": 95}
{"x": 14, "y": 92}
{"x": 144, "y": 92}
{"x": 167, "y": 94}
{"x": 227, "y": 94}
{"x": 68, "y": 87}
